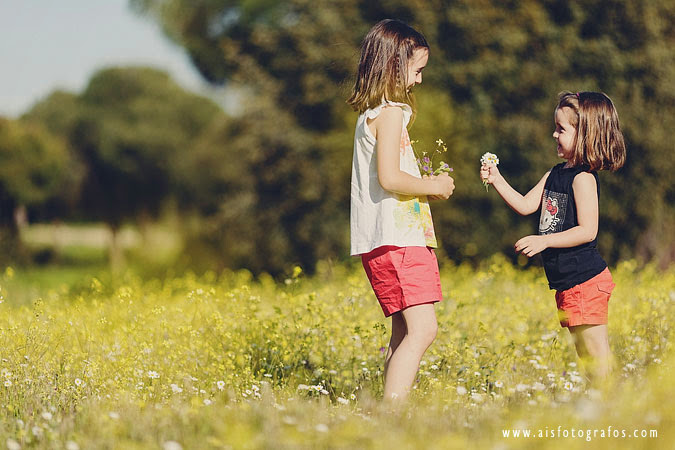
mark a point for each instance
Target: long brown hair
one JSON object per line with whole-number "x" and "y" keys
{"x": 383, "y": 67}
{"x": 599, "y": 142}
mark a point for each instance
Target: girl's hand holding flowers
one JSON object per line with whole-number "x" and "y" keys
{"x": 446, "y": 185}
{"x": 488, "y": 169}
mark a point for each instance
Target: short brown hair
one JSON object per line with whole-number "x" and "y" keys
{"x": 383, "y": 67}
{"x": 599, "y": 142}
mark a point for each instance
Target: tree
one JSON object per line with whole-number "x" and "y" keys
{"x": 506, "y": 61}
{"x": 502, "y": 64}
{"x": 35, "y": 166}
{"x": 132, "y": 129}
{"x": 292, "y": 124}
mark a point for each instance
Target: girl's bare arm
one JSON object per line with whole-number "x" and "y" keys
{"x": 522, "y": 204}
{"x": 388, "y": 127}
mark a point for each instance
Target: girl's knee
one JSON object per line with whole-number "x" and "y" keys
{"x": 425, "y": 335}
{"x": 421, "y": 324}
{"x": 433, "y": 331}
{"x": 597, "y": 347}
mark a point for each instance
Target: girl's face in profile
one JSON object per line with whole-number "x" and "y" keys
{"x": 565, "y": 134}
{"x": 417, "y": 63}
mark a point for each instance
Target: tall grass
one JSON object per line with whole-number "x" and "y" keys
{"x": 226, "y": 361}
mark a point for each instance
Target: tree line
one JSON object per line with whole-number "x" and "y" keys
{"x": 270, "y": 185}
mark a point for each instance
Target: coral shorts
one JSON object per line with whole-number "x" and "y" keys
{"x": 585, "y": 303}
{"x": 403, "y": 276}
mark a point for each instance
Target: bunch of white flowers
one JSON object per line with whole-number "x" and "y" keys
{"x": 487, "y": 159}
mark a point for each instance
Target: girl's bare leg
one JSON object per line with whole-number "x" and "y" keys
{"x": 398, "y": 332}
{"x": 592, "y": 343}
{"x": 402, "y": 365}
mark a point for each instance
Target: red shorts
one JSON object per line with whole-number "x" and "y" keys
{"x": 585, "y": 303}
{"x": 403, "y": 276}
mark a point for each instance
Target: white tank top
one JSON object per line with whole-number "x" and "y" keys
{"x": 380, "y": 217}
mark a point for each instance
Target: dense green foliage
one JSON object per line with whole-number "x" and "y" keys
{"x": 224, "y": 361}
{"x": 133, "y": 131}
{"x": 132, "y": 128}
{"x": 495, "y": 70}
{"x": 270, "y": 185}
{"x": 35, "y": 168}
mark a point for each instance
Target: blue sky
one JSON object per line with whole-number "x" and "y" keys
{"x": 46, "y": 44}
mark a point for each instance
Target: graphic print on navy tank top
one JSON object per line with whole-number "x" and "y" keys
{"x": 553, "y": 208}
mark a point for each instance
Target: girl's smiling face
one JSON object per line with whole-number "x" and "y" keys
{"x": 417, "y": 63}
{"x": 565, "y": 134}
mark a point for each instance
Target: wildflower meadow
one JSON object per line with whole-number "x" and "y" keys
{"x": 231, "y": 361}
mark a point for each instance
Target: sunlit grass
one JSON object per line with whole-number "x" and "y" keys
{"x": 218, "y": 361}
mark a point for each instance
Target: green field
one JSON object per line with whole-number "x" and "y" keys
{"x": 226, "y": 361}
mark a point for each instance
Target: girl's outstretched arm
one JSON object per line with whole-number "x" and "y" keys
{"x": 388, "y": 127}
{"x": 586, "y": 202}
{"x": 522, "y": 204}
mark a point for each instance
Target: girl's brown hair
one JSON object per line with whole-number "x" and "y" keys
{"x": 383, "y": 67}
{"x": 599, "y": 142}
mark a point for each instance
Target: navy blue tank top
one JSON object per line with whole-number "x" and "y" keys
{"x": 566, "y": 267}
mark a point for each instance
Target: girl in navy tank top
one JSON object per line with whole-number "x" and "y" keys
{"x": 589, "y": 139}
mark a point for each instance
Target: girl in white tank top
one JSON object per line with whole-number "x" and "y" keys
{"x": 391, "y": 226}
